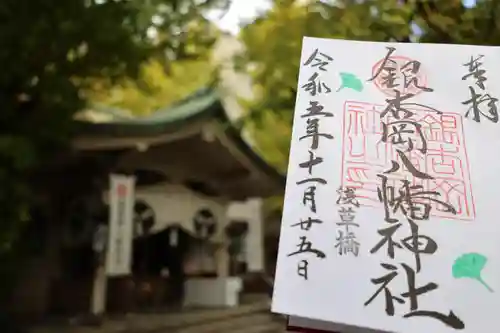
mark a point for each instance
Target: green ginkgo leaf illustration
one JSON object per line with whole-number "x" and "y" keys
{"x": 351, "y": 81}
{"x": 470, "y": 265}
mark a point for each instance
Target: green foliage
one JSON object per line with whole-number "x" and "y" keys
{"x": 182, "y": 33}
{"x": 154, "y": 88}
{"x": 43, "y": 46}
{"x": 53, "y": 51}
{"x": 180, "y": 64}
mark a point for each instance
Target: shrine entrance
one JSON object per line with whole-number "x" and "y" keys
{"x": 184, "y": 243}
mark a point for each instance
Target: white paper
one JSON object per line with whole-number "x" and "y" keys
{"x": 121, "y": 205}
{"x": 459, "y": 161}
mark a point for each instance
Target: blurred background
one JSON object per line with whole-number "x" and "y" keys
{"x": 176, "y": 113}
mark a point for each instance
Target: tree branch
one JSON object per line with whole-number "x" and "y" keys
{"x": 425, "y": 9}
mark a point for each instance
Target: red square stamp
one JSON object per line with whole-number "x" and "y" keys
{"x": 365, "y": 155}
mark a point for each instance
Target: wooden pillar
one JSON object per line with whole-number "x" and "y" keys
{"x": 98, "y": 303}
{"x": 222, "y": 254}
{"x": 222, "y": 260}
{"x": 99, "y": 285}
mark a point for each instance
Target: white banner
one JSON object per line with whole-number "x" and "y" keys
{"x": 121, "y": 206}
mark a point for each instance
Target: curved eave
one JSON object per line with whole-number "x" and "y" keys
{"x": 203, "y": 107}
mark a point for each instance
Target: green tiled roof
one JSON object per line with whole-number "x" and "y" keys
{"x": 204, "y": 103}
{"x": 198, "y": 102}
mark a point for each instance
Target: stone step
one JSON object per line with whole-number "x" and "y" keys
{"x": 157, "y": 323}
{"x": 253, "y": 323}
{"x": 162, "y": 322}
